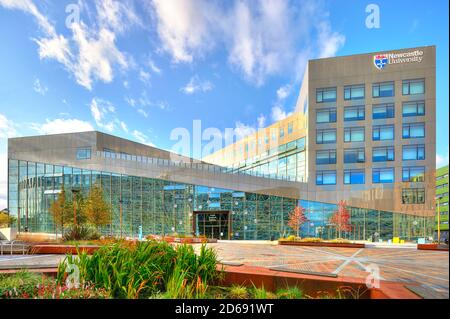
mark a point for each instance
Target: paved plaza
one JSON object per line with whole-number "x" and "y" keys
{"x": 428, "y": 269}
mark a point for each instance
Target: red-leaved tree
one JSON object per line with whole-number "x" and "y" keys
{"x": 297, "y": 218}
{"x": 341, "y": 218}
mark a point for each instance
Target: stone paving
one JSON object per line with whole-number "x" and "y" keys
{"x": 428, "y": 269}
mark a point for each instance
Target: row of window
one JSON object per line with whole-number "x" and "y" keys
{"x": 379, "y": 133}
{"x": 379, "y": 154}
{"x": 379, "y": 175}
{"x": 379, "y": 111}
{"x": 442, "y": 177}
{"x": 383, "y": 89}
{"x": 439, "y": 187}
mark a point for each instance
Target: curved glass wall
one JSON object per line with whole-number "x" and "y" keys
{"x": 164, "y": 207}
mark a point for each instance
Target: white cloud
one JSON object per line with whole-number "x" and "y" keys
{"x": 97, "y": 53}
{"x": 261, "y": 120}
{"x": 3, "y": 180}
{"x": 29, "y": 7}
{"x": 242, "y": 130}
{"x": 284, "y": 91}
{"x": 144, "y": 76}
{"x": 153, "y": 67}
{"x": 329, "y": 41}
{"x": 7, "y": 127}
{"x": 123, "y": 126}
{"x": 117, "y": 16}
{"x": 39, "y": 88}
{"x": 58, "y": 126}
{"x": 91, "y": 54}
{"x": 143, "y": 113}
{"x": 100, "y": 109}
{"x": 442, "y": 159}
{"x": 195, "y": 85}
{"x": 278, "y": 113}
{"x": 141, "y": 138}
{"x": 183, "y": 27}
{"x": 263, "y": 38}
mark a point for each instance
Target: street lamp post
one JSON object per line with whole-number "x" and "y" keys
{"x": 438, "y": 198}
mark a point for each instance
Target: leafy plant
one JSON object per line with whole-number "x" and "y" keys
{"x": 81, "y": 232}
{"x": 289, "y": 293}
{"x": 261, "y": 293}
{"x": 143, "y": 269}
{"x": 238, "y": 292}
{"x": 20, "y": 284}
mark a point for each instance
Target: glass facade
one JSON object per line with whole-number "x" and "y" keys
{"x": 163, "y": 207}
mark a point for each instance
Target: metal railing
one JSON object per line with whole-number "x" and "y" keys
{"x": 143, "y": 160}
{"x": 4, "y": 247}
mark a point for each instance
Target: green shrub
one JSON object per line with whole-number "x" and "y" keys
{"x": 261, "y": 293}
{"x": 289, "y": 293}
{"x": 238, "y": 292}
{"x": 81, "y": 232}
{"x": 143, "y": 269}
{"x": 22, "y": 284}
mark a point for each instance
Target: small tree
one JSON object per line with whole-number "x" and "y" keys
{"x": 59, "y": 210}
{"x": 97, "y": 210}
{"x": 6, "y": 220}
{"x": 341, "y": 218}
{"x": 297, "y": 218}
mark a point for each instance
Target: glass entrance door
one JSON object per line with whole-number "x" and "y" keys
{"x": 212, "y": 224}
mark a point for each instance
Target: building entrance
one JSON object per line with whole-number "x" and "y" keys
{"x": 212, "y": 224}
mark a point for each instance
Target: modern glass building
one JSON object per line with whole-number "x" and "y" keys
{"x": 442, "y": 202}
{"x": 363, "y": 131}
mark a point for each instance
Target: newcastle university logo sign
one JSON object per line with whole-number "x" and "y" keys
{"x": 382, "y": 60}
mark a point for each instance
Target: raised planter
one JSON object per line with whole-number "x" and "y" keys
{"x": 320, "y": 244}
{"x": 183, "y": 240}
{"x": 62, "y": 249}
{"x": 432, "y": 247}
{"x": 313, "y": 285}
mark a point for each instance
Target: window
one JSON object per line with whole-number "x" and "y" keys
{"x": 326, "y": 136}
{"x": 413, "y": 152}
{"x": 301, "y": 143}
{"x": 326, "y": 116}
{"x": 326, "y": 157}
{"x": 383, "y": 154}
{"x": 354, "y": 176}
{"x": 354, "y": 92}
{"x": 413, "y": 174}
{"x": 413, "y": 130}
{"x": 290, "y": 127}
{"x": 411, "y": 87}
{"x": 354, "y": 113}
{"x": 383, "y": 111}
{"x": 384, "y": 89}
{"x": 413, "y": 108}
{"x": 326, "y": 95}
{"x": 383, "y": 175}
{"x": 354, "y": 134}
{"x": 354, "y": 155}
{"x": 83, "y": 153}
{"x": 383, "y": 132}
{"x": 325, "y": 177}
{"x": 281, "y": 132}
{"x": 413, "y": 196}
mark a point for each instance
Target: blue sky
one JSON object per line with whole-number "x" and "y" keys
{"x": 139, "y": 69}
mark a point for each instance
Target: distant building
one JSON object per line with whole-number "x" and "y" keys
{"x": 442, "y": 201}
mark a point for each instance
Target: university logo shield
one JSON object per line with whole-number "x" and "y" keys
{"x": 380, "y": 61}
